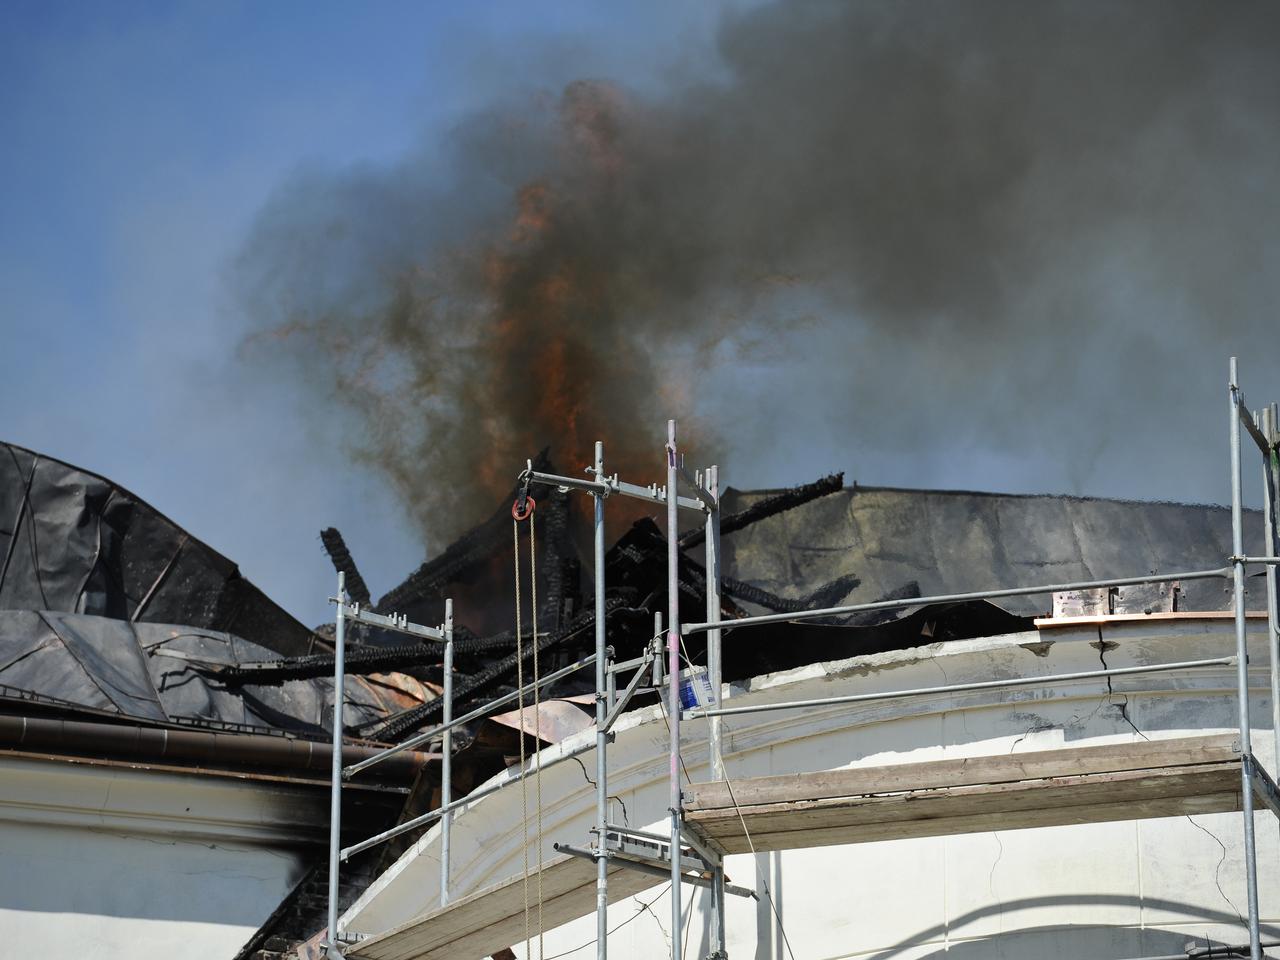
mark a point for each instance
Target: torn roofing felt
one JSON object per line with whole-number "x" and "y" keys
{"x": 74, "y": 541}
{"x": 164, "y": 674}
{"x": 954, "y": 542}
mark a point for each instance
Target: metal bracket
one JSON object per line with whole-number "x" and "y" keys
{"x": 398, "y": 623}
{"x": 1263, "y": 786}
{"x": 616, "y": 710}
{"x": 654, "y": 866}
{"x": 695, "y": 481}
{"x": 1246, "y": 418}
{"x": 708, "y": 856}
{"x": 640, "y": 846}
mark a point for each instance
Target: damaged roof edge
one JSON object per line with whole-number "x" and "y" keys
{"x": 120, "y": 557}
{"x": 855, "y": 486}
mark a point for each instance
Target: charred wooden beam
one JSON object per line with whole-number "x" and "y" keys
{"x": 767, "y": 507}
{"x": 336, "y": 547}
{"x": 825, "y": 596}
{"x": 474, "y": 549}
{"x": 405, "y": 722}
{"x": 359, "y": 660}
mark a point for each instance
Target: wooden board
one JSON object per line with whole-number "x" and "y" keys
{"x": 1090, "y": 784}
{"x": 1107, "y": 619}
{"x": 485, "y": 922}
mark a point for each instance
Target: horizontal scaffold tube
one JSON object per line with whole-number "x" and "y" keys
{"x": 433, "y": 815}
{"x": 612, "y": 485}
{"x": 689, "y": 628}
{"x": 961, "y": 687}
{"x": 653, "y": 869}
{"x": 476, "y": 714}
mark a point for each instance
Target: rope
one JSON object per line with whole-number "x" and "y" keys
{"x": 537, "y": 712}
{"x": 756, "y": 860}
{"x": 644, "y": 908}
{"x": 537, "y": 724}
{"x": 524, "y": 789}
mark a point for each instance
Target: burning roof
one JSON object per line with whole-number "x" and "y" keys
{"x": 117, "y": 614}
{"x": 94, "y": 568}
{"x": 818, "y": 545}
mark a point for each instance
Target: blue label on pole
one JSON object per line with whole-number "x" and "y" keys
{"x": 695, "y": 690}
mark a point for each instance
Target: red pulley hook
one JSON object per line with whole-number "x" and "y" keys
{"x": 529, "y": 504}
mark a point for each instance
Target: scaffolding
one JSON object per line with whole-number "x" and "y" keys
{"x": 684, "y": 855}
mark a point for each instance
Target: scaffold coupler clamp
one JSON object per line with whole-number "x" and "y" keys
{"x": 523, "y": 507}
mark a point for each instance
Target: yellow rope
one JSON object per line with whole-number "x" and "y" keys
{"x": 537, "y": 713}
{"x": 524, "y": 790}
{"x": 537, "y": 722}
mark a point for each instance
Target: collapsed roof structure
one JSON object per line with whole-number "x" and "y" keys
{"x": 115, "y": 624}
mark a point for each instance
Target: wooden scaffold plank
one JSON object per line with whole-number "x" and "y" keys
{"x": 1087, "y": 784}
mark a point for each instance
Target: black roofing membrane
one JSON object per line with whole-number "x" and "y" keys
{"x": 73, "y": 541}
{"x": 163, "y": 673}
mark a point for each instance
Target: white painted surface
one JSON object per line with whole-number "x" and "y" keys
{"x": 1094, "y": 891}
{"x": 107, "y": 862}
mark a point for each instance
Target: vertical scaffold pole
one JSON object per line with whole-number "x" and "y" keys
{"x": 1272, "y": 549}
{"x": 656, "y": 649}
{"x": 715, "y": 679}
{"x": 335, "y": 786}
{"x": 602, "y": 767}
{"x": 1242, "y": 669}
{"x": 714, "y": 667}
{"x": 446, "y": 755}
{"x": 673, "y": 678}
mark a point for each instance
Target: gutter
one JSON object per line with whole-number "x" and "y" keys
{"x": 196, "y": 747}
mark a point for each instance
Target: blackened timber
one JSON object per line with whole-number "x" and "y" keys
{"x": 409, "y": 720}
{"x": 475, "y": 548}
{"x": 767, "y": 507}
{"x": 824, "y": 596}
{"x": 343, "y": 563}
{"x": 359, "y": 660}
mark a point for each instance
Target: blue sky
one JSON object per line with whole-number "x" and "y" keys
{"x": 138, "y": 141}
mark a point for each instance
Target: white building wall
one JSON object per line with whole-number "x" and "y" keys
{"x": 118, "y": 862}
{"x": 1095, "y": 891}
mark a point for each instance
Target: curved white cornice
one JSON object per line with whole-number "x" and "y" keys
{"x": 488, "y": 840}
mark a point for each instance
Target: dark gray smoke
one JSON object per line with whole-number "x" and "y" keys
{"x": 1021, "y": 229}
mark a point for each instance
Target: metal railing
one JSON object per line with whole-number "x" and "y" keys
{"x": 340, "y": 774}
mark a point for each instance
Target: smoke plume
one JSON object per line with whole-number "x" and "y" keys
{"x": 893, "y": 219}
